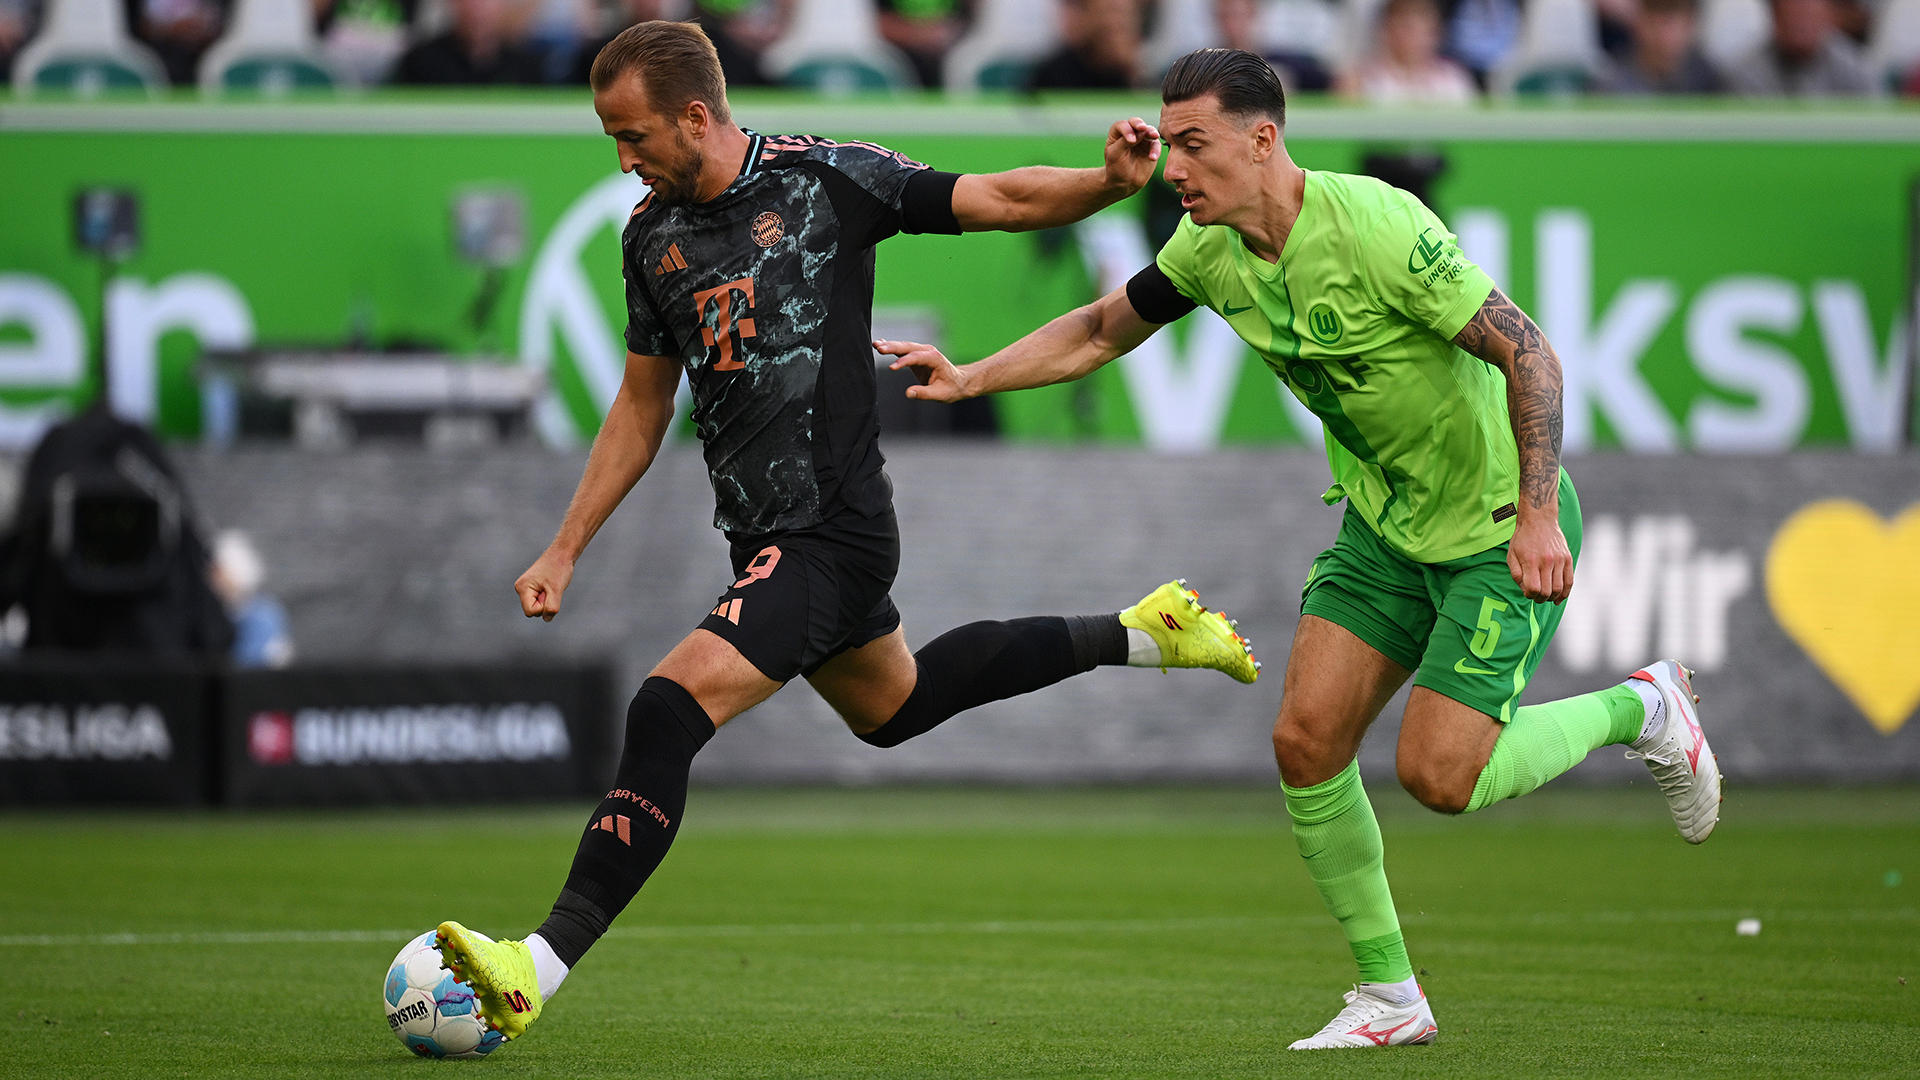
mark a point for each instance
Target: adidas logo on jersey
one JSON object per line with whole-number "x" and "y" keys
{"x": 670, "y": 262}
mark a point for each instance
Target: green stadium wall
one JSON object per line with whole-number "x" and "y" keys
{"x": 1717, "y": 279}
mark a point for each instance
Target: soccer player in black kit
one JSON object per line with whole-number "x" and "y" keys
{"x": 750, "y": 267}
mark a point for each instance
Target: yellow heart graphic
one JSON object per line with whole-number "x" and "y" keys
{"x": 1846, "y": 585}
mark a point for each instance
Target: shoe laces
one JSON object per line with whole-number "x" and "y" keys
{"x": 1362, "y": 1009}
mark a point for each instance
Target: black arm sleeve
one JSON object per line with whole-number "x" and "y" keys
{"x": 1153, "y": 296}
{"x": 927, "y": 204}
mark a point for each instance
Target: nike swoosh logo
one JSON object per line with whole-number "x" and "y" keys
{"x": 1230, "y": 311}
{"x": 1461, "y": 667}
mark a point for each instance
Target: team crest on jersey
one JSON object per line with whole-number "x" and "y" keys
{"x": 1324, "y": 323}
{"x": 767, "y": 229}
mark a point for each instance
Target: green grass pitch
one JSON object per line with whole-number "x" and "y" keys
{"x": 966, "y": 933}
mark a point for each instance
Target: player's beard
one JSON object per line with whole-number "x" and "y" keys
{"x": 679, "y": 185}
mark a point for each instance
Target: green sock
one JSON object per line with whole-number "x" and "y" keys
{"x": 1543, "y": 741}
{"x": 1334, "y": 825}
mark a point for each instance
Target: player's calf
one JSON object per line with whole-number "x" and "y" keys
{"x": 989, "y": 661}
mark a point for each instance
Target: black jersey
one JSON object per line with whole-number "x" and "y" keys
{"x": 765, "y": 293}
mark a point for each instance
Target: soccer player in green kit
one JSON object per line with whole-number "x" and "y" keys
{"x": 1441, "y": 402}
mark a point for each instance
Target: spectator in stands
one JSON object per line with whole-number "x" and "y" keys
{"x": 178, "y": 31}
{"x": 1808, "y": 57}
{"x": 17, "y": 22}
{"x": 1665, "y": 56}
{"x": 1406, "y": 65}
{"x": 482, "y": 48}
{"x": 925, "y": 30}
{"x": 260, "y": 635}
{"x": 1102, "y": 50}
{"x": 1239, "y": 22}
{"x": 740, "y": 31}
{"x": 1481, "y": 34}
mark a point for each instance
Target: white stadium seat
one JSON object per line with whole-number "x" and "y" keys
{"x": 1558, "y": 52}
{"x": 1731, "y": 29}
{"x": 1007, "y": 38}
{"x": 269, "y": 46}
{"x": 1306, "y": 27}
{"x": 1895, "y": 47}
{"x": 1180, "y": 27}
{"x": 83, "y": 47}
{"x": 835, "y": 46}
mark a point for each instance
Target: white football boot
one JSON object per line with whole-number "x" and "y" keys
{"x": 1677, "y": 754}
{"x": 1374, "y": 1021}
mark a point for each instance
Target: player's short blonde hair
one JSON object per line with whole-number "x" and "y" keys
{"x": 675, "y": 61}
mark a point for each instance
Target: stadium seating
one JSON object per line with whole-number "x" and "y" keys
{"x": 1008, "y": 37}
{"x": 83, "y": 48}
{"x": 1180, "y": 27}
{"x": 835, "y": 46}
{"x": 1359, "y": 23}
{"x": 1301, "y": 27}
{"x": 1895, "y": 47}
{"x": 1558, "y": 53}
{"x": 1730, "y": 29}
{"x": 269, "y": 47}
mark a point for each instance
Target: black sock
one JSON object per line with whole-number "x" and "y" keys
{"x": 987, "y": 661}
{"x": 635, "y": 824}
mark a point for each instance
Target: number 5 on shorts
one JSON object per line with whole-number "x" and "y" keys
{"x": 1487, "y": 637}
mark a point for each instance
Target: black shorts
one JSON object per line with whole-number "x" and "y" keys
{"x": 803, "y": 597}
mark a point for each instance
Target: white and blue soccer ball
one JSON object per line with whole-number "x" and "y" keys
{"x": 430, "y": 1011}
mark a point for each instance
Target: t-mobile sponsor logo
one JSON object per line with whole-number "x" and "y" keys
{"x": 409, "y": 734}
{"x": 109, "y": 731}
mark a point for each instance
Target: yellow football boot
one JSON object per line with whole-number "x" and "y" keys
{"x": 1189, "y": 635}
{"x": 501, "y": 973}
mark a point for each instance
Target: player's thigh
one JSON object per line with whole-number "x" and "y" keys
{"x": 1336, "y": 684}
{"x": 724, "y": 682}
{"x": 1443, "y": 747}
{"x": 868, "y": 684}
{"x": 1487, "y": 636}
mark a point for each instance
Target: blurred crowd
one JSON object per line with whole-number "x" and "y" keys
{"x": 1390, "y": 51}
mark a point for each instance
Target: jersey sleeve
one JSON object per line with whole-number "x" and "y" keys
{"x": 1414, "y": 265}
{"x": 647, "y": 332}
{"x": 877, "y": 192}
{"x": 1179, "y": 262}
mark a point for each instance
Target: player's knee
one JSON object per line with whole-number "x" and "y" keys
{"x": 1302, "y": 756}
{"x": 1435, "y": 786}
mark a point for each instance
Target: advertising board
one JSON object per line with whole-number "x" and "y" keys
{"x": 1722, "y": 280}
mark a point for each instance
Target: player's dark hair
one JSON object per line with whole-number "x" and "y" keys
{"x": 1244, "y": 84}
{"x": 675, "y": 61}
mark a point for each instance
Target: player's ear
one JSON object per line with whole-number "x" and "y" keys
{"x": 697, "y": 118}
{"x": 1266, "y": 135}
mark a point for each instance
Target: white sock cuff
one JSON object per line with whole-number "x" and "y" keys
{"x": 1400, "y": 993}
{"x": 547, "y": 966}
{"x": 1655, "y": 703}
{"x": 1142, "y": 650}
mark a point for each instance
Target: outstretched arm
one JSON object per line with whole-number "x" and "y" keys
{"x": 628, "y": 440}
{"x": 1502, "y": 335}
{"x": 1043, "y": 197}
{"x": 1068, "y": 348}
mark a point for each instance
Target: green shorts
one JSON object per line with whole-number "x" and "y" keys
{"x": 1462, "y": 626}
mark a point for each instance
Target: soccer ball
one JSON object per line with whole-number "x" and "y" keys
{"x": 430, "y": 1011}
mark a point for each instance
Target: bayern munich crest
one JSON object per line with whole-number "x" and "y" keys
{"x": 767, "y": 229}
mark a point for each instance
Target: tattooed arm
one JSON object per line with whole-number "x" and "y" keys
{"x": 1503, "y": 336}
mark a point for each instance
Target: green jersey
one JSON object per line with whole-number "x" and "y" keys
{"x": 1358, "y": 319}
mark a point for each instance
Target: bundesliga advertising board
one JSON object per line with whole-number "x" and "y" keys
{"x": 420, "y": 503}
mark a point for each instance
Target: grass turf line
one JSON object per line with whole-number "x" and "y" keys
{"x": 984, "y": 933}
